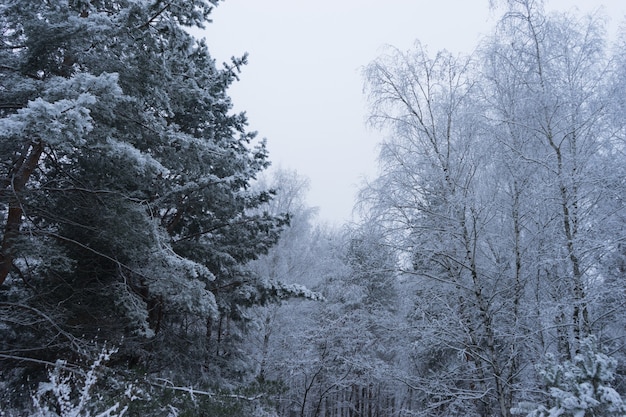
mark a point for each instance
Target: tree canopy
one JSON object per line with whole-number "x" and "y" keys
{"x": 127, "y": 208}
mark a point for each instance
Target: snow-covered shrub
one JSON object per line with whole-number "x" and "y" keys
{"x": 68, "y": 395}
{"x": 578, "y": 388}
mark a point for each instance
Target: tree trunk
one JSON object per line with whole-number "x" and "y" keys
{"x": 16, "y": 184}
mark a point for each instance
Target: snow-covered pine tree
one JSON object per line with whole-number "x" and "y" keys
{"x": 125, "y": 207}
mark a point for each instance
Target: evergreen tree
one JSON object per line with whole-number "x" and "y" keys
{"x": 579, "y": 388}
{"x": 126, "y": 209}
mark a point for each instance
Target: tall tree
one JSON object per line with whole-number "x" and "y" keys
{"x": 498, "y": 190}
{"x": 554, "y": 80}
{"x": 436, "y": 198}
{"x": 127, "y": 209}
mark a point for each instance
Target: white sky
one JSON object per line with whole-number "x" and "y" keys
{"x": 302, "y": 88}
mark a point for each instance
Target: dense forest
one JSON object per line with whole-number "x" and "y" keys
{"x": 150, "y": 265}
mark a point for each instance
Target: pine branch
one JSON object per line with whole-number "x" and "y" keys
{"x": 155, "y": 16}
{"x": 167, "y": 384}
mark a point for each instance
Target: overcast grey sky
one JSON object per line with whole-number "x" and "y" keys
{"x": 302, "y": 88}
